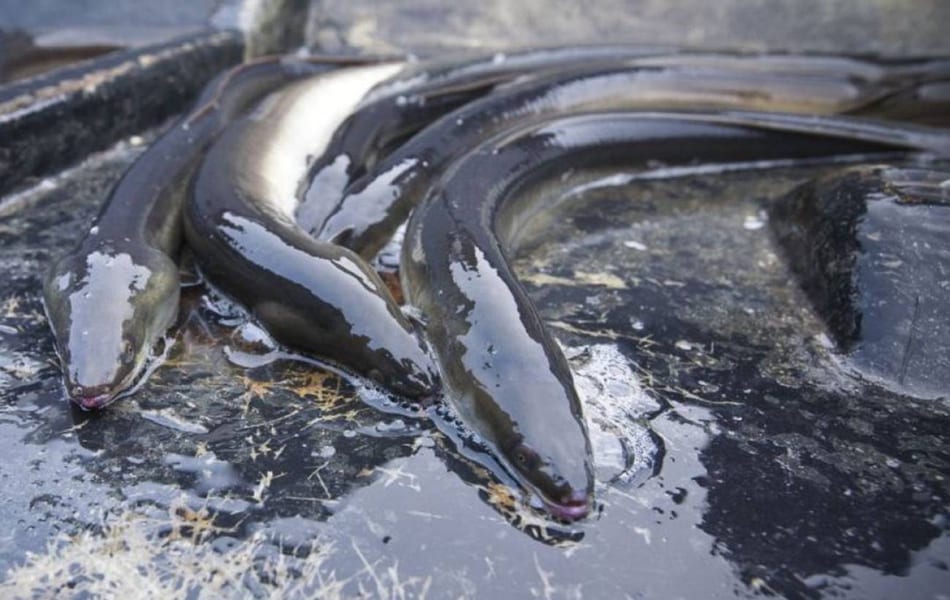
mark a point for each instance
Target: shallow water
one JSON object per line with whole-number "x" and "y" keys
{"x": 734, "y": 456}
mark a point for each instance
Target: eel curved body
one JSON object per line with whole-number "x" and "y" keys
{"x": 111, "y": 299}
{"x": 375, "y": 204}
{"x": 423, "y": 92}
{"x": 310, "y": 295}
{"x": 398, "y": 107}
{"x": 501, "y": 369}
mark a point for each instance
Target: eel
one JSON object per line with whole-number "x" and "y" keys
{"x": 928, "y": 102}
{"x": 376, "y": 203}
{"x": 419, "y": 93}
{"x": 311, "y": 296}
{"x": 502, "y": 371}
{"x": 398, "y": 108}
{"x": 111, "y": 299}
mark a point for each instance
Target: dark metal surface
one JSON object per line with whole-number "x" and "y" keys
{"x": 52, "y": 120}
{"x": 870, "y": 249}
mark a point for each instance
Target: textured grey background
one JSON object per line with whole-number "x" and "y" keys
{"x": 883, "y": 26}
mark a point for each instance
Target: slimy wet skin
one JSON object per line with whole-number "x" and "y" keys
{"x": 108, "y": 308}
{"x": 309, "y": 295}
{"x": 501, "y": 368}
{"x": 375, "y": 204}
{"x": 397, "y": 108}
{"x": 111, "y": 299}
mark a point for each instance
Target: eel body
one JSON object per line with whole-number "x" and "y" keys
{"x": 311, "y": 296}
{"x": 376, "y": 203}
{"x": 419, "y": 93}
{"x": 501, "y": 369}
{"x": 111, "y": 299}
{"x": 394, "y": 110}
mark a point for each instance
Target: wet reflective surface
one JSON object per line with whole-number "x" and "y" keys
{"x": 733, "y": 455}
{"x": 870, "y": 246}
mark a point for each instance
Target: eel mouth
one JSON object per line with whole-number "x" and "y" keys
{"x": 93, "y": 402}
{"x": 101, "y": 396}
{"x": 573, "y": 506}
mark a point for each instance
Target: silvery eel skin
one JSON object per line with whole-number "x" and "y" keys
{"x": 501, "y": 368}
{"x": 420, "y": 92}
{"x": 111, "y": 299}
{"x": 309, "y": 295}
{"x": 377, "y": 202}
{"x": 396, "y": 109}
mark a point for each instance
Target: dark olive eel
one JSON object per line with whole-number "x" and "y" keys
{"x": 421, "y": 93}
{"x": 311, "y": 296}
{"x": 112, "y": 298}
{"x": 501, "y": 368}
{"x": 377, "y": 202}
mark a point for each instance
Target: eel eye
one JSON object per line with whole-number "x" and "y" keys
{"x": 526, "y": 457}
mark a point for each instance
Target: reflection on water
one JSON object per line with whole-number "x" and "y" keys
{"x": 734, "y": 458}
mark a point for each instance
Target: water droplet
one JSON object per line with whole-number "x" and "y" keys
{"x": 753, "y": 222}
{"x": 635, "y": 245}
{"x": 326, "y": 451}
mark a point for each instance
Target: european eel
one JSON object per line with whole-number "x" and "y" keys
{"x": 419, "y": 93}
{"x": 396, "y": 109}
{"x": 376, "y": 203}
{"x": 311, "y": 296}
{"x": 501, "y": 368}
{"x": 111, "y": 299}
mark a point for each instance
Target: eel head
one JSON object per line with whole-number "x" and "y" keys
{"x": 107, "y": 308}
